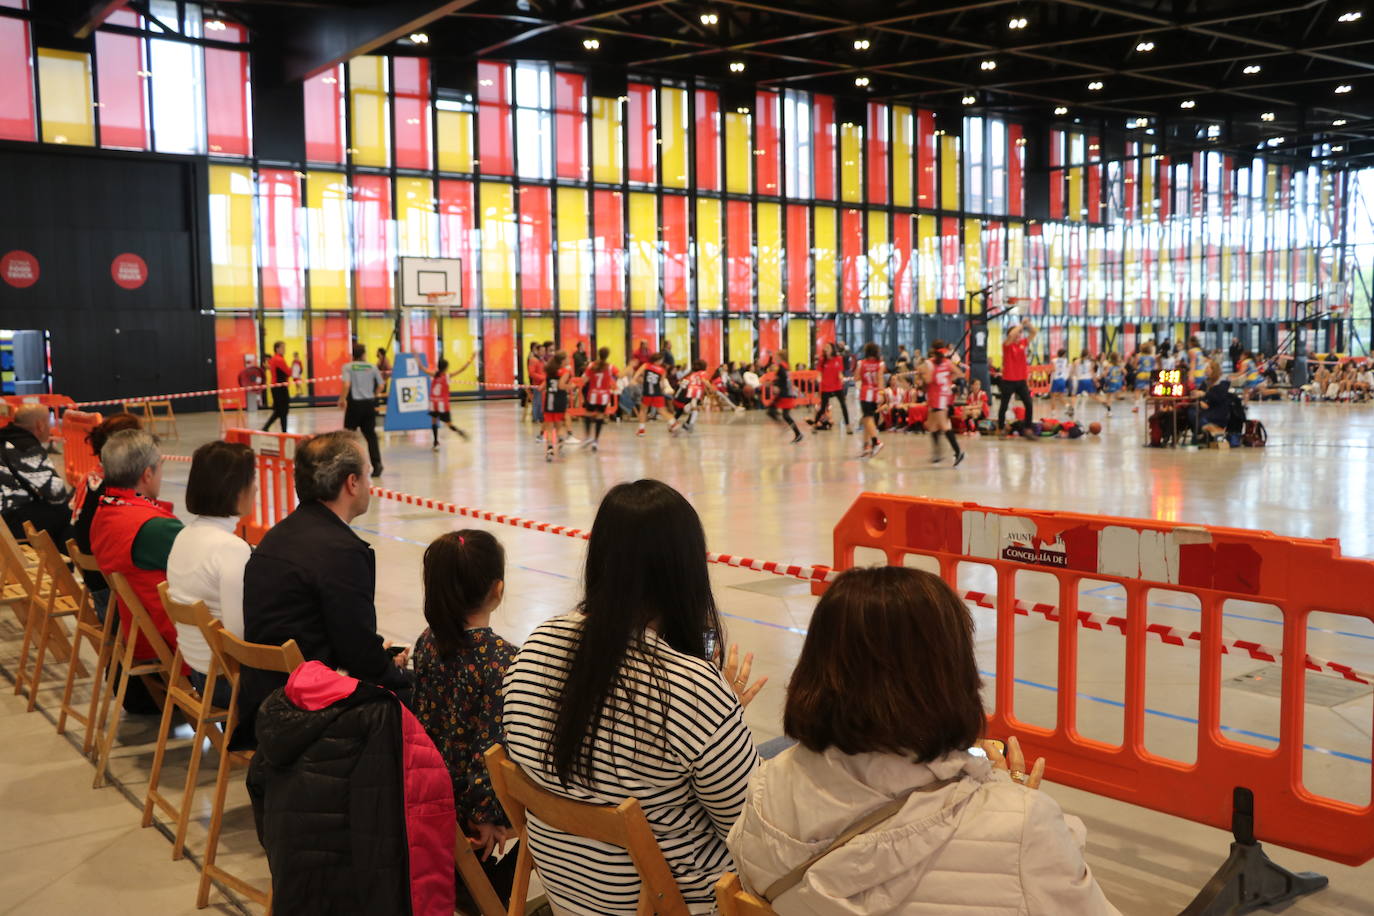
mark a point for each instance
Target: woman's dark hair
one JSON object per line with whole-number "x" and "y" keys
{"x": 555, "y": 363}
{"x": 602, "y": 356}
{"x": 441, "y": 367}
{"x": 699, "y": 365}
{"x": 646, "y": 567}
{"x": 460, "y": 569}
{"x": 220, "y": 472}
{"x": 871, "y": 351}
{"x": 112, "y": 424}
{"x": 887, "y": 667}
{"x": 280, "y": 344}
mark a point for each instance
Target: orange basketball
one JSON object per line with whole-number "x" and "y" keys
{"x": 1095, "y": 428}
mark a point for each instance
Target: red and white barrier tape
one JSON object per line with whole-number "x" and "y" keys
{"x": 504, "y": 386}
{"x": 1175, "y": 637}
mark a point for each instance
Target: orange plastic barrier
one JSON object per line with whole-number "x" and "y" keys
{"x": 1038, "y": 380}
{"x": 77, "y": 458}
{"x": 276, "y": 454}
{"x": 807, "y": 383}
{"x": 1213, "y": 565}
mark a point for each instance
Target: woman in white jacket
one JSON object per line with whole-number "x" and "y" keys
{"x": 884, "y": 705}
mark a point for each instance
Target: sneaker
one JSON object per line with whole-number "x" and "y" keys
{"x": 739, "y": 409}
{"x": 434, "y": 447}
{"x": 959, "y": 458}
{"x": 594, "y": 447}
{"x": 640, "y": 432}
{"x": 848, "y": 431}
{"x": 548, "y": 455}
{"x": 797, "y": 438}
{"x": 462, "y": 435}
{"x": 866, "y": 453}
{"x": 876, "y": 449}
{"x": 937, "y": 459}
{"x": 573, "y": 440}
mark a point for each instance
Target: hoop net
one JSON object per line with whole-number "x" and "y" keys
{"x": 440, "y": 302}
{"x": 1336, "y": 300}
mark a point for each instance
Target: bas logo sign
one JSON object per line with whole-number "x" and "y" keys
{"x": 19, "y": 269}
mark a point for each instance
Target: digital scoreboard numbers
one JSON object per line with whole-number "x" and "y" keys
{"x": 1167, "y": 383}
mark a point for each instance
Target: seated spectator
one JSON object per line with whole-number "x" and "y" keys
{"x": 133, "y": 531}
{"x": 207, "y": 559}
{"x": 31, "y": 489}
{"x": 313, "y": 580}
{"x": 87, "y": 498}
{"x": 885, "y": 706}
{"x": 1217, "y": 405}
{"x": 459, "y": 665}
{"x": 623, "y": 698}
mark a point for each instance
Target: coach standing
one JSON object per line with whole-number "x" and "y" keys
{"x": 279, "y": 377}
{"x": 362, "y": 385}
{"x": 1015, "y": 371}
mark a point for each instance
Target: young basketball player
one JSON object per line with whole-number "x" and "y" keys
{"x": 869, "y": 374}
{"x": 937, "y": 374}
{"x": 688, "y": 397}
{"x": 557, "y": 376}
{"x": 1059, "y": 381}
{"x": 601, "y": 382}
{"x": 652, "y": 379}
{"x": 439, "y": 398}
{"x": 784, "y": 400}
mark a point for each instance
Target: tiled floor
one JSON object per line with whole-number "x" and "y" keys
{"x": 73, "y": 850}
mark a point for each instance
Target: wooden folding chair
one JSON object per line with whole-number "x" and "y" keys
{"x": 100, "y": 634}
{"x": 126, "y": 646}
{"x": 235, "y": 655}
{"x": 733, "y": 900}
{"x": 478, "y": 884}
{"x": 198, "y": 708}
{"x": 153, "y": 421}
{"x": 622, "y": 825}
{"x": 18, "y": 569}
{"x": 231, "y": 412}
{"x": 56, "y": 594}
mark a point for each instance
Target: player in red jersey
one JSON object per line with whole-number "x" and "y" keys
{"x": 557, "y": 381}
{"x": 600, "y": 391}
{"x": 439, "y": 396}
{"x": 831, "y": 366}
{"x": 653, "y": 379}
{"x": 869, "y": 374}
{"x": 937, "y": 375}
{"x": 688, "y": 397}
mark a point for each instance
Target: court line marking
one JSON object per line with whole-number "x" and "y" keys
{"x": 1194, "y": 610}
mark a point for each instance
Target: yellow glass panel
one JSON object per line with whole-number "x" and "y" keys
{"x": 455, "y": 142}
{"x": 739, "y": 153}
{"x": 742, "y": 340}
{"x": 973, "y": 254}
{"x": 369, "y": 109}
{"x": 879, "y": 296}
{"x": 64, "y": 83}
{"x": 326, "y": 202}
{"x": 1075, "y": 345}
{"x": 928, "y": 262}
{"x": 851, "y": 162}
{"x": 903, "y": 154}
{"x": 1130, "y": 259}
{"x": 1147, "y": 183}
{"x": 234, "y": 273}
{"x": 674, "y": 137}
{"x": 678, "y": 332}
{"x": 574, "y": 252}
{"x": 643, "y": 252}
{"x": 709, "y": 255}
{"x": 461, "y": 338}
{"x": 1054, "y": 240}
{"x": 1016, "y": 248}
{"x": 377, "y": 331}
{"x": 535, "y": 328}
{"x": 1095, "y": 276}
{"x": 949, "y": 172}
{"x": 417, "y": 224}
{"x": 995, "y": 343}
{"x": 825, "y": 253}
{"x": 607, "y": 152}
{"x": 798, "y": 341}
{"x": 1073, "y": 209}
{"x": 768, "y": 239}
{"x": 610, "y": 332}
{"x": 499, "y": 245}
{"x": 289, "y": 329}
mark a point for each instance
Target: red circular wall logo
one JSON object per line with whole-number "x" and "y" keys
{"x": 129, "y": 271}
{"x": 19, "y": 268}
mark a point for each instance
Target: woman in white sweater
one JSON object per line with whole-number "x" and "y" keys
{"x": 884, "y": 705}
{"x": 207, "y": 558}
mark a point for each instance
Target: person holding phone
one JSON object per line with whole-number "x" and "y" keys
{"x": 900, "y": 816}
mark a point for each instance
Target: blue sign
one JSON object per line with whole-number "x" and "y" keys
{"x": 407, "y": 403}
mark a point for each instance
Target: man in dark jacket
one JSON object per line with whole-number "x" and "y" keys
{"x": 31, "y": 489}
{"x": 313, "y": 580}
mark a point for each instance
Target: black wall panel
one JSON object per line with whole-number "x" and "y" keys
{"x": 75, "y": 211}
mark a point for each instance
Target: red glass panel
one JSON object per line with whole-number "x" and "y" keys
{"x": 324, "y": 141}
{"x": 573, "y": 329}
{"x": 570, "y": 124}
{"x": 903, "y": 238}
{"x": 877, "y": 153}
{"x": 372, "y": 240}
{"x": 825, "y": 333}
{"x": 739, "y": 243}
{"x": 798, "y": 258}
{"x": 851, "y": 250}
{"x": 708, "y": 140}
{"x": 951, "y": 263}
{"x": 1094, "y": 179}
{"x": 279, "y": 207}
{"x": 709, "y": 342}
{"x": 331, "y": 345}
{"x": 925, "y": 158}
{"x": 770, "y": 337}
{"x": 536, "y": 249}
{"x": 123, "y": 100}
{"x": 766, "y": 117}
{"x": 235, "y": 338}
{"x": 410, "y": 77}
{"x": 498, "y": 348}
{"x": 497, "y": 157}
{"x": 642, "y": 132}
{"x": 608, "y": 249}
{"x": 1076, "y": 236}
{"x": 1016, "y": 168}
{"x": 456, "y": 231}
{"x": 823, "y": 146}
{"x": 16, "y": 75}
{"x": 227, "y": 131}
{"x": 1056, "y": 174}
{"x": 676, "y": 252}
{"x": 420, "y": 332}
{"x": 645, "y": 329}
{"x": 1162, "y": 185}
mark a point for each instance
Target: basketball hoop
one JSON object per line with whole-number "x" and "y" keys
{"x": 440, "y": 301}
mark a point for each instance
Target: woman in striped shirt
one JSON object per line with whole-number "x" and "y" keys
{"x": 623, "y": 699}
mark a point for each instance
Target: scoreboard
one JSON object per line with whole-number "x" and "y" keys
{"x": 1168, "y": 383}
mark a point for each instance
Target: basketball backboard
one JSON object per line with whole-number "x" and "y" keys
{"x": 431, "y": 282}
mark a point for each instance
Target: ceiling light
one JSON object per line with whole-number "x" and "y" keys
{"x": 742, "y": 110}
{"x": 1145, "y": 46}
{"x": 215, "y": 25}
{"x": 1338, "y": 149}
{"x": 1141, "y": 122}
{"x": 1253, "y": 69}
{"x": 969, "y": 100}
{"x": 1274, "y": 141}
{"x": 710, "y": 18}
{"x": 1267, "y": 116}
{"x": 987, "y": 65}
{"x": 1352, "y": 16}
{"x": 1187, "y": 103}
{"x": 1339, "y": 122}
{"x": 861, "y": 81}
{"x": 1342, "y": 89}
{"x": 419, "y": 38}
{"x": 736, "y": 66}
{"x": 1095, "y": 85}
{"x": 862, "y": 44}
{"x": 591, "y": 44}
{"x": 1017, "y": 22}
{"x": 1061, "y": 110}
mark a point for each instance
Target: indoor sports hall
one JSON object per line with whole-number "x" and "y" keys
{"x": 678, "y": 457}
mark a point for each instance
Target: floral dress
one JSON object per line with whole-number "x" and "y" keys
{"x": 458, "y": 700}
